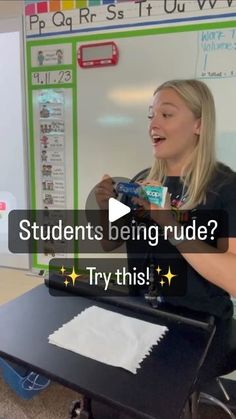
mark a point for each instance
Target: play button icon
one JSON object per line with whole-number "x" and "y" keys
{"x": 117, "y": 210}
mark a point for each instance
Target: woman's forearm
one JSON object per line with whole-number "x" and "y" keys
{"x": 217, "y": 268}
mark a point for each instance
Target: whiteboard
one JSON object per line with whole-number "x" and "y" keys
{"x": 113, "y": 101}
{"x": 13, "y": 157}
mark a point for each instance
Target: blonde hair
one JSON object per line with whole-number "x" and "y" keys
{"x": 202, "y": 163}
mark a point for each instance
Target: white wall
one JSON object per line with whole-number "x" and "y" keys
{"x": 11, "y": 8}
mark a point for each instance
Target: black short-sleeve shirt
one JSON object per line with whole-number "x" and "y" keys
{"x": 201, "y": 295}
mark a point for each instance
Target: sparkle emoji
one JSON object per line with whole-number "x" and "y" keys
{"x": 62, "y": 270}
{"x": 169, "y": 276}
{"x": 73, "y": 276}
{"x": 66, "y": 282}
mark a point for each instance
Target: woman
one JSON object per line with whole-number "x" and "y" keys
{"x": 182, "y": 131}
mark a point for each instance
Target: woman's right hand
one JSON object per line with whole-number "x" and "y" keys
{"x": 104, "y": 191}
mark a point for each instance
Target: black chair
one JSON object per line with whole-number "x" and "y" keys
{"x": 141, "y": 175}
{"x": 215, "y": 365}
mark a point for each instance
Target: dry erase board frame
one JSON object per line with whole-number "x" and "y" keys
{"x": 83, "y": 178}
{"x": 13, "y": 133}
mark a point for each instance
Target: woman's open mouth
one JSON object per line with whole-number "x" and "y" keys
{"x": 157, "y": 139}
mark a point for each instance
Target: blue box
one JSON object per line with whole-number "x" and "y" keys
{"x": 24, "y": 382}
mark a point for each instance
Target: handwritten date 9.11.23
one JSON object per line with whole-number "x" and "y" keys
{"x": 51, "y": 77}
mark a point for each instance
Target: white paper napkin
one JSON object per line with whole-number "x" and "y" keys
{"x": 109, "y": 337}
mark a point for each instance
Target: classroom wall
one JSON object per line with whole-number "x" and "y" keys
{"x": 11, "y": 8}
{"x": 16, "y": 8}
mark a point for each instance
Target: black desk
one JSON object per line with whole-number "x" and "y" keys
{"x": 159, "y": 390}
